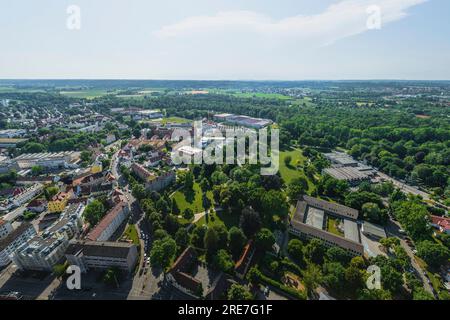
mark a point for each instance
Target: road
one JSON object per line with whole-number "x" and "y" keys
{"x": 392, "y": 229}
{"x": 30, "y": 287}
{"x": 404, "y": 187}
{"x": 146, "y": 282}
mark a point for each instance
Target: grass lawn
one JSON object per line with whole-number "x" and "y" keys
{"x": 192, "y": 200}
{"x": 132, "y": 234}
{"x": 288, "y": 173}
{"x": 332, "y": 226}
{"x": 217, "y": 218}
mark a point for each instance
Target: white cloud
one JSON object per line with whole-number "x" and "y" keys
{"x": 340, "y": 20}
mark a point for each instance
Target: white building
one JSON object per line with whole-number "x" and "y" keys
{"x": 69, "y": 224}
{"x": 14, "y": 240}
{"x": 40, "y": 253}
{"x": 102, "y": 255}
{"x": 28, "y": 194}
{"x": 5, "y": 228}
{"x": 47, "y": 159}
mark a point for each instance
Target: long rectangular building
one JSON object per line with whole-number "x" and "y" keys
{"x": 102, "y": 255}
{"x": 104, "y": 230}
{"x": 47, "y": 159}
{"x": 310, "y": 222}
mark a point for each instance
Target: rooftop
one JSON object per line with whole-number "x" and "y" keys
{"x": 99, "y": 249}
{"x": 106, "y": 221}
{"x": 14, "y": 235}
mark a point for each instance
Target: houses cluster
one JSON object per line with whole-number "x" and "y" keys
{"x": 192, "y": 279}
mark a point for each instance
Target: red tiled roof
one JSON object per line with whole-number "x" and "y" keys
{"x": 106, "y": 221}
{"x": 36, "y": 203}
{"x": 247, "y": 250}
{"x": 442, "y": 222}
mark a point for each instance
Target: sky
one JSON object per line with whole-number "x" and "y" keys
{"x": 225, "y": 39}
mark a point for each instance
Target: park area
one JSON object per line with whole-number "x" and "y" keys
{"x": 295, "y": 168}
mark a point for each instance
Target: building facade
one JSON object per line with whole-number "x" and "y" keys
{"x": 14, "y": 240}
{"x": 102, "y": 255}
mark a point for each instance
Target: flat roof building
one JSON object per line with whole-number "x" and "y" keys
{"x": 310, "y": 220}
{"x": 14, "y": 240}
{"x": 102, "y": 255}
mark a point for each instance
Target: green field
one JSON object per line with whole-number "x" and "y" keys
{"x": 19, "y": 90}
{"x": 295, "y": 169}
{"x": 86, "y": 94}
{"x": 191, "y": 200}
{"x": 217, "y": 218}
{"x": 132, "y": 234}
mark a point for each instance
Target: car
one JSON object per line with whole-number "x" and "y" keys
{"x": 266, "y": 291}
{"x": 414, "y": 251}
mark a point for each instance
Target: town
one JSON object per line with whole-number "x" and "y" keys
{"x": 88, "y": 179}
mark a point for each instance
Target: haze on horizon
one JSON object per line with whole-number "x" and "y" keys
{"x": 225, "y": 39}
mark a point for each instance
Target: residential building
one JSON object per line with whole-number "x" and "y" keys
{"x": 7, "y": 165}
{"x": 27, "y": 194}
{"x": 441, "y": 223}
{"x": 142, "y": 172}
{"x": 12, "y": 133}
{"x": 102, "y": 255}
{"x": 37, "y": 205}
{"x": 40, "y": 253}
{"x": 179, "y": 277}
{"x": 313, "y": 217}
{"x": 58, "y": 202}
{"x": 13, "y": 240}
{"x": 11, "y": 142}
{"x": 104, "y": 230}
{"x": 69, "y": 222}
{"x": 5, "y": 228}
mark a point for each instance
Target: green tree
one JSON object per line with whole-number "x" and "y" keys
{"x": 94, "y": 212}
{"x": 432, "y": 253}
{"x": 163, "y": 252}
{"x": 315, "y": 251}
{"x": 224, "y": 262}
{"x": 238, "y": 292}
{"x": 312, "y": 277}
{"x": 250, "y": 222}
{"x": 189, "y": 181}
{"x": 287, "y": 160}
{"x": 295, "y": 250}
{"x": 188, "y": 214}
{"x": 236, "y": 241}
{"x": 264, "y": 240}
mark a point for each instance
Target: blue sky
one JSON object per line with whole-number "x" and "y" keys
{"x": 225, "y": 39}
